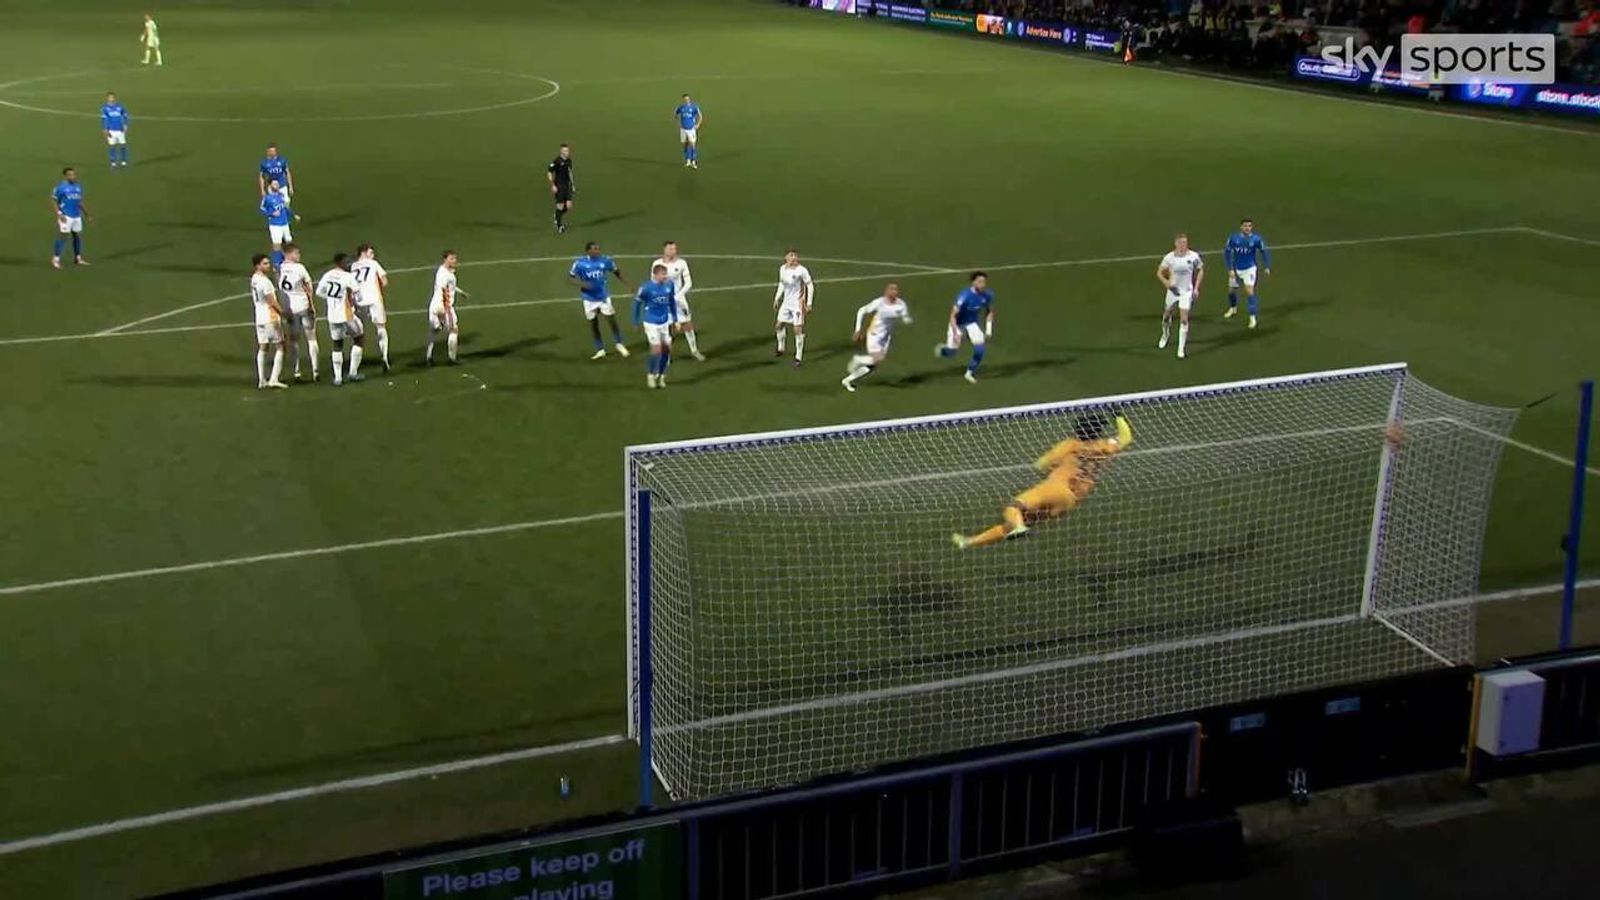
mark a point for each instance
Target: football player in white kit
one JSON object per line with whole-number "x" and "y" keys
{"x": 678, "y": 273}
{"x": 1181, "y": 273}
{"x": 793, "y": 302}
{"x": 888, "y": 312}
{"x": 296, "y": 285}
{"x": 337, "y": 288}
{"x": 269, "y": 322}
{"x": 371, "y": 281}
{"x": 442, "y": 309}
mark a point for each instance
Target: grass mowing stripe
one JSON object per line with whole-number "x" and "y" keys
{"x": 316, "y": 790}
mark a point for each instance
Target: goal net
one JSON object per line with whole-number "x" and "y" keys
{"x": 808, "y": 613}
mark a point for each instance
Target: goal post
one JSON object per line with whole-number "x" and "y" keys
{"x": 796, "y": 607}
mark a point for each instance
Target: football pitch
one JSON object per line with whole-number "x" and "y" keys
{"x": 327, "y": 597}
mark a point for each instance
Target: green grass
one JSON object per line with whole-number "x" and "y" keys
{"x": 846, "y": 139}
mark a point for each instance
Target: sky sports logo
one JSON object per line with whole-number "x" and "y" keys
{"x": 1456, "y": 58}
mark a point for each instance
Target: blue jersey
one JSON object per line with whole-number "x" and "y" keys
{"x": 275, "y": 168}
{"x": 113, "y": 117}
{"x": 275, "y": 206}
{"x": 69, "y": 199}
{"x": 972, "y": 305}
{"x": 655, "y": 303}
{"x": 1240, "y": 251}
{"x": 592, "y": 271}
{"x": 688, "y": 115}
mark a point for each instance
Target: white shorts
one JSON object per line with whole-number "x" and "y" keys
{"x": 349, "y": 328}
{"x": 279, "y": 234}
{"x": 683, "y": 311}
{"x": 1246, "y": 277}
{"x": 658, "y": 335}
{"x": 374, "y": 312}
{"x": 972, "y": 330}
{"x": 70, "y": 224}
{"x": 1182, "y": 300}
{"x": 688, "y": 135}
{"x": 302, "y": 321}
{"x": 791, "y": 315}
{"x": 878, "y": 344}
{"x": 592, "y": 308}
{"x": 269, "y": 332}
{"x": 441, "y": 316}
{"x": 113, "y": 138}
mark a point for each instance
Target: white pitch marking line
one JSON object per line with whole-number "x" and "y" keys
{"x": 245, "y": 89}
{"x": 1561, "y": 237}
{"x": 169, "y": 313}
{"x": 317, "y": 790}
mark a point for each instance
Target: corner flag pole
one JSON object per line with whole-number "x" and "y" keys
{"x": 1580, "y": 475}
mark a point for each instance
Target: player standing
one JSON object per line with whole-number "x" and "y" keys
{"x": 371, "y": 281}
{"x": 1181, "y": 273}
{"x": 1239, "y": 253}
{"x": 297, "y": 287}
{"x": 275, "y": 168}
{"x": 150, "y": 39}
{"x": 589, "y": 273}
{"x": 275, "y": 208}
{"x": 888, "y": 312}
{"x": 269, "y": 322}
{"x": 442, "y": 309}
{"x": 975, "y": 302}
{"x": 795, "y": 294}
{"x": 67, "y": 202}
{"x": 655, "y": 309}
{"x": 678, "y": 274}
{"x": 689, "y": 118}
{"x": 114, "y": 122}
{"x": 337, "y": 288}
{"x": 559, "y": 173}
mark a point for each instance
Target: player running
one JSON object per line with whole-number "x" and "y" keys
{"x": 974, "y": 303}
{"x": 442, "y": 309}
{"x": 297, "y": 287}
{"x": 150, "y": 40}
{"x": 337, "y": 288}
{"x": 371, "y": 281}
{"x": 559, "y": 173}
{"x": 678, "y": 274}
{"x": 276, "y": 210}
{"x": 1239, "y": 254}
{"x": 66, "y": 200}
{"x": 275, "y": 168}
{"x": 689, "y": 119}
{"x": 589, "y": 273}
{"x": 888, "y": 312}
{"x": 655, "y": 309}
{"x": 796, "y": 292}
{"x": 269, "y": 323}
{"x": 114, "y": 124}
{"x": 1073, "y": 468}
{"x": 1181, "y": 273}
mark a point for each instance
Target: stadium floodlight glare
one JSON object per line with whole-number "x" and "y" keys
{"x": 796, "y": 608}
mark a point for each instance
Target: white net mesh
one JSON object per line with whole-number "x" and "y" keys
{"x": 810, "y": 614}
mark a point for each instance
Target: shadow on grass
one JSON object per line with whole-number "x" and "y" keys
{"x": 208, "y": 382}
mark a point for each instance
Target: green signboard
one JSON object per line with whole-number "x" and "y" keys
{"x": 627, "y": 864}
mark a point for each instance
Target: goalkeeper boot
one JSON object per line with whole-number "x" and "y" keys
{"x": 960, "y": 540}
{"x": 1019, "y": 531}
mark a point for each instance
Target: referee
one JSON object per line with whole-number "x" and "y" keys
{"x": 560, "y": 175}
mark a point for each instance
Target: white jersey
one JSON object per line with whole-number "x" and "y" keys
{"x": 262, "y": 295}
{"x": 444, "y": 289}
{"x": 295, "y": 282}
{"x": 794, "y": 283}
{"x": 337, "y": 287}
{"x": 886, "y": 315}
{"x": 678, "y": 274}
{"x": 369, "y": 275}
{"x": 1182, "y": 268}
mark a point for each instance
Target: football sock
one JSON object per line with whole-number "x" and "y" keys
{"x": 561, "y": 213}
{"x": 977, "y": 357}
{"x": 77, "y": 244}
{"x": 123, "y": 152}
{"x": 694, "y": 345}
{"x": 799, "y": 346}
{"x": 60, "y": 242}
{"x": 383, "y": 343}
{"x": 433, "y": 335}
{"x": 666, "y": 360}
{"x": 277, "y": 364}
{"x": 277, "y": 259}
{"x": 781, "y": 337}
{"x": 947, "y": 351}
{"x": 616, "y": 331}
{"x": 859, "y": 372}
{"x": 338, "y": 367}
{"x": 1166, "y": 330}
{"x": 451, "y": 343}
{"x": 594, "y": 330}
{"x": 1252, "y": 301}
{"x": 992, "y": 536}
{"x": 694, "y": 153}
{"x": 311, "y": 345}
{"x": 261, "y": 366}
{"x": 355, "y": 359}
{"x": 112, "y": 152}
{"x": 1183, "y": 337}
{"x": 1233, "y": 299}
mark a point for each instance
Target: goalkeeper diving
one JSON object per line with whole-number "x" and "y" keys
{"x": 1072, "y": 468}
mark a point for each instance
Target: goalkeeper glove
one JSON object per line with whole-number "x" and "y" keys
{"x": 1124, "y": 432}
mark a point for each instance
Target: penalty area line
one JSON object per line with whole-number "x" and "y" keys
{"x": 365, "y": 782}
